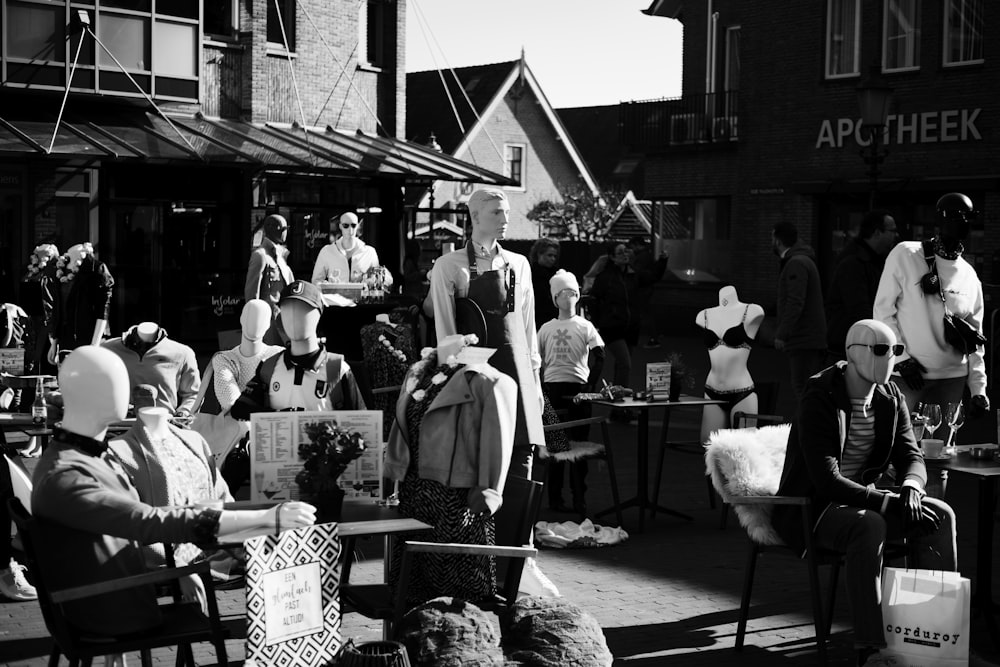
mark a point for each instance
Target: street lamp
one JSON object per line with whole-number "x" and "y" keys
{"x": 874, "y": 97}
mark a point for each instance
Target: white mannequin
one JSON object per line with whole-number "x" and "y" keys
{"x": 300, "y": 321}
{"x": 254, "y": 321}
{"x": 95, "y": 388}
{"x": 728, "y": 371}
{"x": 147, "y": 331}
{"x": 349, "y": 235}
{"x": 156, "y": 421}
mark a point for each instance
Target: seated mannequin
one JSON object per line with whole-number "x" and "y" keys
{"x": 729, "y": 329}
{"x": 169, "y": 466}
{"x": 348, "y": 258}
{"x": 231, "y": 372}
{"x": 90, "y": 518}
{"x": 453, "y": 483}
{"x": 152, "y": 358}
{"x": 305, "y": 376}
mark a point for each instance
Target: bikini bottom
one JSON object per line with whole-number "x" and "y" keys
{"x": 732, "y": 397}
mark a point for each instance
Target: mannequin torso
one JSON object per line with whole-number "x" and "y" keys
{"x": 155, "y": 421}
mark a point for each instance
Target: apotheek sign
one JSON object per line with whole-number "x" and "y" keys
{"x": 929, "y": 127}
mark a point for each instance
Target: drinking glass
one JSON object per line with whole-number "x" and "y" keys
{"x": 932, "y": 414}
{"x": 954, "y": 417}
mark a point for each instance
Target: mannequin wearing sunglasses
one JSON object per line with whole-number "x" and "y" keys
{"x": 852, "y": 424}
{"x": 347, "y": 258}
{"x": 931, "y": 370}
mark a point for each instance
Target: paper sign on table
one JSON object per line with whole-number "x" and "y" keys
{"x": 658, "y": 379}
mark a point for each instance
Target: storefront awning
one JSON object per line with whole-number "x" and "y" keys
{"x": 145, "y": 136}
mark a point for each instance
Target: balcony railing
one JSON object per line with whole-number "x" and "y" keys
{"x": 694, "y": 119}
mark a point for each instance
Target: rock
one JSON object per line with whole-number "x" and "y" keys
{"x": 448, "y": 632}
{"x": 551, "y": 632}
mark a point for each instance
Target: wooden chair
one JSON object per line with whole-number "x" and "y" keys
{"x": 514, "y": 524}
{"x": 588, "y": 450}
{"x": 183, "y": 623}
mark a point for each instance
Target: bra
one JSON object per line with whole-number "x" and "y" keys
{"x": 735, "y": 337}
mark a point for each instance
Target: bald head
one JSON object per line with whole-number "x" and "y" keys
{"x": 870, "y": 332}
{"x": 862, "y": 339}
{"x": 349, "y": 219}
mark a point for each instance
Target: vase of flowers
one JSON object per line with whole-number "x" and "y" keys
{"x": 325, "y": 457}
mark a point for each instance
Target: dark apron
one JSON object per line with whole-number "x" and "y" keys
{"x": 505, "y": 332}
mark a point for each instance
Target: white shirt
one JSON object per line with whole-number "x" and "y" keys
{"x": 565, "y": 346}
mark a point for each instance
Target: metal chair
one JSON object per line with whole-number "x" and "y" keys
{"x": 183, "y": 623}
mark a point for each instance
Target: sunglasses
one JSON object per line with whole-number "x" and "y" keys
{"x": 881, "y": 349}
{"x": 347, "y": 225}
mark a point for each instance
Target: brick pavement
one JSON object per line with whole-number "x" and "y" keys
{"x": 669, "y": 596}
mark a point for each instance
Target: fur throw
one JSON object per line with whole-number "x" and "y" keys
{"x": 748, "y": 462}
{"x": 578, "y": 450}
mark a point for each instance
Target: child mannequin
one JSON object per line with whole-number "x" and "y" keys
{"x": 729, "y": 329}
{"x": 572, "y": 361}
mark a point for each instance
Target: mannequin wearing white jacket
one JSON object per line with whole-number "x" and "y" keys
{"x": 348, "y": 258}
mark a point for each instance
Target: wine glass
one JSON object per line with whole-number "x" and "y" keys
{"x": 954, "y": 417}
{"x": 931, "y": 413}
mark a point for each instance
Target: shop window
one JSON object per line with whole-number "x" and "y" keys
{"x": 35, "y": 31}
{"x": 842, "y": 37}
{"x": 696, "y": 235}
{"x": 963, "y": 31}
{"x": 901, "y": 48}
{"x": 221, "y": 19}
{"x": 513, "y": 164}
{"x": 281, "y": 14}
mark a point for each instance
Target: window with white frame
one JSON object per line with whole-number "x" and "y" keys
{"x": 152, "y": 45}
{"x": 513, "y": 163}
{"x": 901, "y": 46}
{"x": 963, "y": 31}
{"x": 843, "y": 27}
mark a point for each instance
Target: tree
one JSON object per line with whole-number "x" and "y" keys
{"x": 580, "y": 216}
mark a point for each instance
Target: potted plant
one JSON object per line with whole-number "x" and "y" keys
{"x": 324, "y": 459}
{"x": 681, "y": 379}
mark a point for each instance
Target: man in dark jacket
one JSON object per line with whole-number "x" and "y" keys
{"x": 852, "y": 423}
{"x": 801, "y": 329}
{"x": 851, "y": 294}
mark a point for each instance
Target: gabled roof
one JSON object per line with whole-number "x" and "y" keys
{"x": 634, "y": 217}
{"x": 428, "y": 106}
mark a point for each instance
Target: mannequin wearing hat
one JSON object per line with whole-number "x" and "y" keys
{"x": 151, "y": 357}
{"x": 347, "y": 258}
{"x": 728, "y": 330}
{"x": 268, "y": 272}
{"x": 305, "y": 376}
{"x": 90, "y": 519}
{"x": 572, "y": 362}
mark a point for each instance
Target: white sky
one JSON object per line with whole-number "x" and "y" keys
{"x": 583, "y": 52}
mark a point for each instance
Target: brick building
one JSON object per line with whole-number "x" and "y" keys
{"x": 185, "y": 124}
{"x": 769, "y": 128}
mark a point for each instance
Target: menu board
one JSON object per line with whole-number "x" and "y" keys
{"x": 274, "y": 444}
{"x": 658, "y": 379}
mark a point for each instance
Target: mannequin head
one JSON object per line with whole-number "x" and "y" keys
{"x": 349, "y": 227}
{"x": 255, "y": 319}
{"x": 275, "y": 228}
{"x": 490, "y": 214}
{"x": 955, "y": 212}
{"x": 301, "y": 307}
{"x": 728, "y": 296}
{"x": 863, "y": 339}
{"x": 95, "y": 389}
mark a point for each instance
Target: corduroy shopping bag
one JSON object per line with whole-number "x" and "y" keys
{"x": 926, "y": 617}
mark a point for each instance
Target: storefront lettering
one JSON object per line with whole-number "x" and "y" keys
{"x": 225, "y": 305}
{"x": 9, "y": 179}
{"x": 929, "y": 127}
{"x": 316, "y": 237}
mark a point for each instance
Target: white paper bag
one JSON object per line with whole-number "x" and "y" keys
{"x": 925, "y": 614}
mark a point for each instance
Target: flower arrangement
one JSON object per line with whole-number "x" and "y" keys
{"x": 429, "y": 360}
{"x": 326, "y": 456}
{"x": 68, "y": 264}
{"x": 680, "y": 374}
{"x": 40, "y": 257}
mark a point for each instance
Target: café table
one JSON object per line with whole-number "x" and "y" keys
{"x": 641, "y": 500}
{"x": 987, "y": 471}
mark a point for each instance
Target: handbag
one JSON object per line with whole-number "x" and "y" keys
{"x": 958, "y": 333}
{"x": 925, "y": 615}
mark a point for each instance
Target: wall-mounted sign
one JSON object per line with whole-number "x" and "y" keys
{"x": 928, "y": 127}
{"x": 226, "y": 305}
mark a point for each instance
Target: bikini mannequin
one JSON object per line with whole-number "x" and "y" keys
{"x": 729, "y": 329}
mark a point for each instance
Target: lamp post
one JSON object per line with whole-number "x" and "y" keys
{"x": 874, "y": 97}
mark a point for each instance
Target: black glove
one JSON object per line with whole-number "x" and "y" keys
{"x": 911, "y": 371}
{"x": 918, "y": 519}
{"x": 979, "y": 406}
